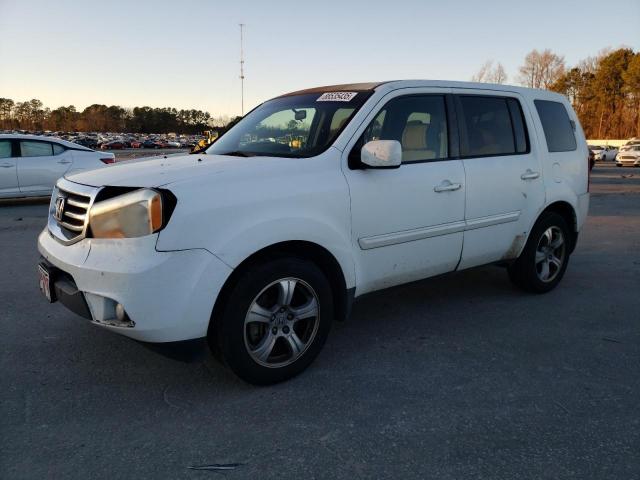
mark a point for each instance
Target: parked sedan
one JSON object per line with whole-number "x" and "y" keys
{"x": 604, "y": 153}
{"x": 115, "y": 145}
{"x": 629, "y": 157}
{"x": 30, "y": 165}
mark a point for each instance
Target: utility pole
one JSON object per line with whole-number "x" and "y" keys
{"x": 242, "y": 69}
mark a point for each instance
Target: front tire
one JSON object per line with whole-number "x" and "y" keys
{"x": 545, "y": 257}
{"x": 275, "y": 320}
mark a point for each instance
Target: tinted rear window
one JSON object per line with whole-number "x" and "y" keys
{"x": 492, "y": 126}
{"x": 557, "y": 126}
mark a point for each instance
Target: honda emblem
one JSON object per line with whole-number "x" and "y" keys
{"x": 57, "y": 214}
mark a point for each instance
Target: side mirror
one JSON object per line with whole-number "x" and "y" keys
{"x": 382, "y": 154}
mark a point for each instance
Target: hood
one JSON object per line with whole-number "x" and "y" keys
{"x": 157, "y": 172}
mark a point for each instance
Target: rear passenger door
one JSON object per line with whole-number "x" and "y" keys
{"x": 40, "y": 165}
{"x": 505, "y": 188}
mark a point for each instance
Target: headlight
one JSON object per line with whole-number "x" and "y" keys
{"x": 132, "y": 214}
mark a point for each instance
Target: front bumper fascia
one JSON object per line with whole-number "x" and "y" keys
{"x": 169, "y": 296}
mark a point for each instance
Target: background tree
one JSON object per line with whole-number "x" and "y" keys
{"x": 490, "y": 74}
{"x": 6, "y": 110}
{"x": 541, "y": 69}
{"x": 631, "y": 78}
{"x": 604, "y": 91}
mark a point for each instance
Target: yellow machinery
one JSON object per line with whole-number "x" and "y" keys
{"x": 209, "y": 137}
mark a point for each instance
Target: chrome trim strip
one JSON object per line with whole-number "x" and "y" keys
{"x": 491, "y": 220}
{"x": 386, "y": 239}
{"x": 78, "y": 204}
{"x": 75, "y": 216}
{"x": 68, "y": 226}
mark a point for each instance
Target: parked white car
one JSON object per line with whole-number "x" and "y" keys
{"x": 604, "y": 153}
{"x": 30, "y": 165}
{"x": 315, "y": 198}
{"x": 629, "y": 157}
{"x": 629, "y": 144}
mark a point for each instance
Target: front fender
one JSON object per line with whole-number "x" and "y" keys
{"x": 236, "y": 213}
{"x": 233, "y": 246}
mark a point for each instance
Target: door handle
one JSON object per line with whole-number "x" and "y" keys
{"x": 529, "y": 175}
{"x": 447, "y": 186}
{"x": 6, "y": 165}
{"x": 63, "y": 162}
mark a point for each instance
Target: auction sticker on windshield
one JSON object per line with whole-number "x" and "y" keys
{"x": 337, "y": 96}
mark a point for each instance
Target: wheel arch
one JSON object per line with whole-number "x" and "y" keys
{"x": 319, "y": 255}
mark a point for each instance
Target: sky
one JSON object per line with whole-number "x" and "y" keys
{"x": 185, "y": 54}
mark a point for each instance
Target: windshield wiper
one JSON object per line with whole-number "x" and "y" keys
{"x": 238, "y": 153}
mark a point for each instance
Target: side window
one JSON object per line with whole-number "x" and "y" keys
{"x": 5, "y": 148}
{"x": 419, "y": 123}
{"x": 57, "y": 149}
{"x": 557, "y": 126}
{"x": 491, "y": 126}
{"x": 35, "y": 149}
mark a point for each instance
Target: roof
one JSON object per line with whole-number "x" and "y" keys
{"x": 395, "y": 84}
{"x": 22, "y": 136}
{"x": 345, "y": 87}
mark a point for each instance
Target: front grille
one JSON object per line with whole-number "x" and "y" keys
{"x": 74, "y": 212}
{"x": 627, "y": 157}
{"x": 69, "y": 209}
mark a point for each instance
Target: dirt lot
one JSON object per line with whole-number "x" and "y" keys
{"x": 461, "y": 376}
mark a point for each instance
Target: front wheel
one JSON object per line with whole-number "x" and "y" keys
{"x": 542, "y": 263}
{"x": 275, "y": 320}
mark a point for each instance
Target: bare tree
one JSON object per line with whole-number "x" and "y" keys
{"x": 490, "y": 74}
{"x": 498, "y": 75}
{"x": 541, "y": 69}
{"x": 481, "y": 74}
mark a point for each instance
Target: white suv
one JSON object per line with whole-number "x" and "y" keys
{"x": 315, "y": 198}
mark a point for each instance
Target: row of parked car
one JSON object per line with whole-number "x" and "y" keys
{"x": 628, "y": 155}
{"x": 119, "y": 141}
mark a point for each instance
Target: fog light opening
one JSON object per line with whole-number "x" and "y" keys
{"x": 121, "y": 314}
{"x": 122, "y": 317}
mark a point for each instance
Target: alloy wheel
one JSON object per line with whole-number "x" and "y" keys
{"x": 282, "y": 322}
{"x": 550, "y": 254}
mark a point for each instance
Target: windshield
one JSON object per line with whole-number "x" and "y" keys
{"x": 292, "y": 126}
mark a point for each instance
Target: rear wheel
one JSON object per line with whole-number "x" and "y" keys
{"x": 542, "y": 263}
{"x": 275, "y": 321}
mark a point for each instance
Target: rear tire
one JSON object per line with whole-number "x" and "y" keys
{"x": 545, "y": 257}
{"x": 275, "y": 320}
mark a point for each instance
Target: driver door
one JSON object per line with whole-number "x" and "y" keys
{"x": 407, "y": 223}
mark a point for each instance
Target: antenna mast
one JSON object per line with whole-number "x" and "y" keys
{"x": 242, "y": 68}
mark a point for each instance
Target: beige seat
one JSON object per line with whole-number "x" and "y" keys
{"x": 414, "y": 142}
